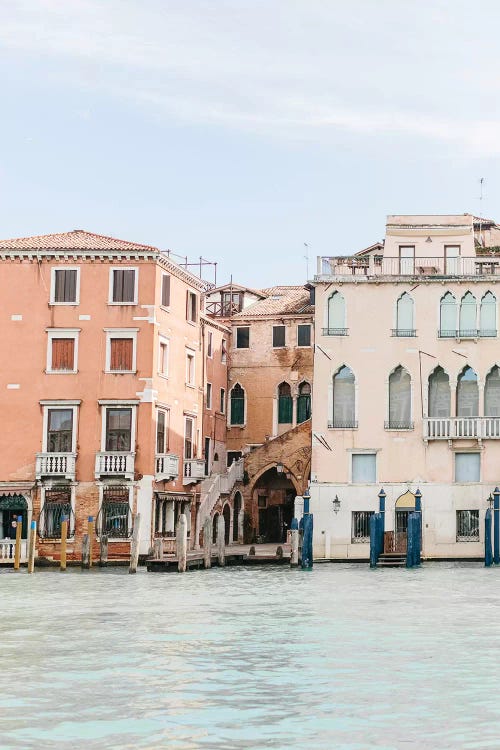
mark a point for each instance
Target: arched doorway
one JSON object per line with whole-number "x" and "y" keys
{"x": 272, "y": 505}
{"x": 405, "y": 504}
{"x": 214, "y": 528}
{"x": 236, "y": 514}
{"x": 12, "y": 506}
{"x": 226, "y": 512}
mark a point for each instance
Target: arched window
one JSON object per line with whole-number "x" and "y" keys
{"x": 237, "y": 405}
{"x": 336, "y": 315}
{"x": 467, "y": 394}
{"x": 400, "y": 400}
{"x": 405, "y": 325}
{"x": 468, "y": 319}
{"x": 304, "y": 403}
{"x": 488, "y": 316}
{"x": 492, "y": 393}
{"x": 448, "y": 316}
{"x": 284, "y": 404}
{"x": 439, "y": 394}
{"x": 343, "y": 399}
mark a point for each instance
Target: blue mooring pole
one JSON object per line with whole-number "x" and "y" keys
{"x": 373, "y": 540}
{"x": 418, "y": 510}
{"x": 488, "y": 557}
{"x": 410, "y": 538}
{"x": 307, "y": 538}
{"x": 496, "y": 526}
{"x": 381, "y": 507}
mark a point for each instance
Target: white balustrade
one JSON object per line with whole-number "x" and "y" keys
{"x": 7, "y": 550}
{"x": 166, "y": 466}
{"x": 55, "y": 465}
{"x": 462, "y": 428}
{"x": 114, "y": 464}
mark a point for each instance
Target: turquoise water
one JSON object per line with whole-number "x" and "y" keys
{"x": 338, "y": 658}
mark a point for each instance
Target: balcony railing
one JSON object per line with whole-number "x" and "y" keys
{"x": 335, "y": 331}
{"x": 404, "y": 425}
{"x": 466, "y": 428}
{"x": 403, "y": 333}
{"x": 337, "y": 424}
{"x": 110, "y": 463}
{"x": 55, "y": 465}
{"x": 7, "y": 550}
{"x": 467, "y": 333}
{"x": 194, "y": 470}
{"x": 166, "y": 466}
{"x": 377, "y": 265}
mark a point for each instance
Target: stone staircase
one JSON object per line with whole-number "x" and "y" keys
{"x": 211, "y": 490}
{"x": 392, "y": 560}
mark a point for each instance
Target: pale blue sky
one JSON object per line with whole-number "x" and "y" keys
{"x": 240, "y": 129}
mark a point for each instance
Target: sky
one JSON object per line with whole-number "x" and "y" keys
{"x": 244, "y": 130}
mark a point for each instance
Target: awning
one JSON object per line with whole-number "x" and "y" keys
{"x": 13, "y": 502}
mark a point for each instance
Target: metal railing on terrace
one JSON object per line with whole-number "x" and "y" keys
{"x": 378, "y": 265}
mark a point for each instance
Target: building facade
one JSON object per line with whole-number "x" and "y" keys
{"x": 407, "y": 388}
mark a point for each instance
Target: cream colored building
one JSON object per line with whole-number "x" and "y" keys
{"x": 407, "y": 387}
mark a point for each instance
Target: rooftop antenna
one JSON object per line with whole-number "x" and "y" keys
{"x": 306, "y": 258}
{"x": 481, "y": 238}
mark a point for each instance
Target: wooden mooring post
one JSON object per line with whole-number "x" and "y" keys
{"x": 294, "y": 534}
{"x": 181, "y": 543}
{"x": 103, "y": 551}
{"x": 64, "y": 540}
{"x": 87, "y": 544}
{"x": 221, "y": 549}
{"x": 207, "y": 543}
{"x": 31, "y": 548}
{"x": 134, "y": 544}
{"x": 17, "y": 550}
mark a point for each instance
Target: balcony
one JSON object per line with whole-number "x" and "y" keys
{"x": 403, "y": 333}
{"x": 61, "y": 465}
{"x": 335, "y": 331}
{"x": 378, "y": 265}
{"x": 114, "y": 464}
{"x": 471, "y": 333}
{"x": 461, "y": 428}
{"x": 336, "y": 424}
{"x": 166, "y": 466}
{"x": 194, "y": 470}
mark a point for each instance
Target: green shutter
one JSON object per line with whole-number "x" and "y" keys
{"x": 285, "y": 410}
{"x": 237, "y": 410}
{"x": 303, "y": 408}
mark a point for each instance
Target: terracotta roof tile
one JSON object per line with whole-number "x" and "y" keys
{"x": 78, "y": 239}
{"x": 281, "y": 300}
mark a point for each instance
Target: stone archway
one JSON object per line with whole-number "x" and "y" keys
{"x": 237, "y": 505}
{"x": 226, "y": 513}
{"x": 271, "y": 505}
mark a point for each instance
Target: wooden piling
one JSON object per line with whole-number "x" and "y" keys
{"x": 64, "y": 539}
{"x": 207, "y": 543}
{"x": 31, "y": 548}
{"x": 294, "y": 533}
{"x": 90, "y": 532}
{"x": 86, "y": 551}
{"x": 221, "y": 549}
{"x": 181, "y": 543}
{"x": 134, "y": 544}
{"x": 158, "y": 549}
{"x": 103, "y": 550}
{"x": 17, "y": 551}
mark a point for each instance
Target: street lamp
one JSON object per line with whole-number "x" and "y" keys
{"x": 336, "y": 504}
{"x": 279, "y": 467}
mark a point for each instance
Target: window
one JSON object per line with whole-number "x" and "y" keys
{"x": 467, "y": 467}
{"x": 344, "y": 399}
{"x": 223, "y": 351}
{"x": 492, "y": 393}
{"x": 399, "y": 400}
{"x": 361, "y": 525}
{"x": 468, "y": 313}
{"x": 452, "y": 259}
{"x": 210, "y": 344}
{"x": 165, "y": 290}
{"x": 467, "y": 394}
{"x": 232, "y": 303}
{"x": 191, "y": 307}
{"x": 190, "y": 361}
{"x": 448, "y": 316}
{"x": 407, "y": 259}
{"x": 163, "y": 354}
{"x": 189, "y": 444}
{"x": 278, "y": 336}
{"x": 304, "y": 403}
{"x": 243, "y": 337}
{"x": 119, "y": 429}
{"x": 59, "y": 430}
{"x": 123, "y": 286}
{"x": 222, "y": 401}
{"x": 237, "y": 405}
{"x": 65, "y": 287}
{"x": 488, "y": 316}
{"x": 115, "y": 519}
{"x": 209, "y": 395}
{"x": 162, "y": 431}
{"x": 62, "y": 350}
{"x": 336, "y": 316}
{"x": 405, "y": 325}
{"x": 304, "y": 335}
{"x": 285, "y": 404}
{"x": 364, "y": 467}
{"x": 121, "y": 348}
{"x": 439, "y": 394}
{"x": 56, "y": 507}
{"x": 467, "y": 525}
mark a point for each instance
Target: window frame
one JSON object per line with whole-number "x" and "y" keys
{"x": 222, "y": 400}
{"x": 304, "y": 325}
{"x": 466, "y": 453}
{"x": 164, "y": 276}
{"x": 194, "y": 447}
{"x": 360, "y": 539}
{"x": 62, "y": 333}
{"x": 163, "y": 341}
{"x": 208, "y": 397}
{"x": 53, "y": 285}
{"x": 192, "y": 300}
{"x": 223, "y": 352}
{"x": 133, "y": 426}
{"x": 111, "y": 301}
{"x": 357, "y": 452}
{"x": 229, "y": 409}
{"x": 59, "y": 406}
{"x": 71, "y": 520}
{"x": 462, "y": 538}
{"x": 103, "y": 486}
{"x": 121, "y": 333}
{"x": 281, "y": 326}
{"x": 210, "y": 344}
{"x": 166, "y": 434}
{"x": 238, "y": 328}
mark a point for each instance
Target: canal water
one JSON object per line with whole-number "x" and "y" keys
{"x": 340, "y": 658}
